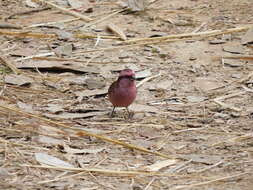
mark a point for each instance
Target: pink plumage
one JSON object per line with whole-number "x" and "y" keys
{"x": 123, "y": 92}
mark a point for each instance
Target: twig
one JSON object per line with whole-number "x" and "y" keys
{"x": 35, "y": 56}
{"x": 226, "y": 106}
{"x": 28, "y": 12}
{"x": 149, "y": 184}
{"x": 9, "y": 26}
{"x": 199, "y": 28}
{"x": 85, "y": 36}
{"x": 230, "y": 95}
{"x": 246, "y": 78}
{"x": 8, "y": 63}
{"x": 209, "y": 167}
{"x": 147, "y": 79}
{"x": 81, "y": 132}
{"x": 75, "y": 14}
{"x": 177, "y": 168}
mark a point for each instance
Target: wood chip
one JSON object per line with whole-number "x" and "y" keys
{"x": 19, "y": 80}
{"x": 160, "y": 164}
{"x": 45, "y": 159}
{"x": 116, "y": 30}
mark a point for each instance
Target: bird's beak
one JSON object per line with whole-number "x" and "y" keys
{"x": 133, "y": 78}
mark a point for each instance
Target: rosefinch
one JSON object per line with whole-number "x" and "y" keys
{"x": 123, "y": 92}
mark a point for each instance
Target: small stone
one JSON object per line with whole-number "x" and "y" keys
{"x": 221, "y": 115}
{"x": 235, "y": 114}
{"x": 214, "y": 42}
{"x": 219, "y": 121}
{"x": 236, "y": 75}
{"x": 192, "y": 58}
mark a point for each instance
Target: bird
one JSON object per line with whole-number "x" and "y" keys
{"x": 123, "y": 91}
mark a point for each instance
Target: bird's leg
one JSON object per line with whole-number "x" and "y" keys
{"x": 129, "y": 114}
{"x": 112, "y": 111}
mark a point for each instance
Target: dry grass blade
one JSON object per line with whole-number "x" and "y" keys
{"x": 75, "y": 14}
{"x": 242, "y": 57}
{"x": 52, "y": 23}
{"x": 120, "y": 47}
{"x": 105, "y": 171}
{"x": 185, "y": 35}
{"x": 86, "y": 133}
{"x": 23, "y": 145}
{"x": 28, "y": 34}
{"x": 235, "y": 139}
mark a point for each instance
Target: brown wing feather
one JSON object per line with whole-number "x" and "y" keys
{"x": 112, "y": 87}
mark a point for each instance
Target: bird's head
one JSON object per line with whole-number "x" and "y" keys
{"x": 127, "y": 73}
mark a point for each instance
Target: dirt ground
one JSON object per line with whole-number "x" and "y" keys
{"x": 191, "y": 126}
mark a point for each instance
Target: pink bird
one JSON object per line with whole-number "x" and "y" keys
{"x": 123, "y": 92}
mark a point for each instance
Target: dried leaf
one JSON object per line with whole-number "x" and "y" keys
{"x": 116, "y": 30}
{"x": 76, "y": 4}
{"x": 87, "y": 93}
{"x": 59, "y": 66}
{"x": 47, "y": 140}
{"x": 82, "y": 151}
{"x": 32, "y": 4}
{"x": 95, "y": 83}
{"x": 202, "y": 158}
{"x": 233, "y": 62}
{"x": 66, "y": 115}
{"x": 160, "y": 164}
{"x": 4, "y": 172}
{"x": 234, "y": 49}
{"x": 25, "y": 107}
{"x": 54, "y": 108}
{"x": 23, "y": 52}
{"x": 137, "y": 5}
{"x": 45, "y": 159}
{"x": 207, "y": 84}
{"x": 5, "y": 25}
{"x": 65, "y": 50}
{"x": 62, "y": 34}
{"x": 248, "y": 37}
{"x": 20, "y": 80}
{"x": 196, "y": 98}
{"x": 50, "y": 130}
{"x": 143, "y": 74}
